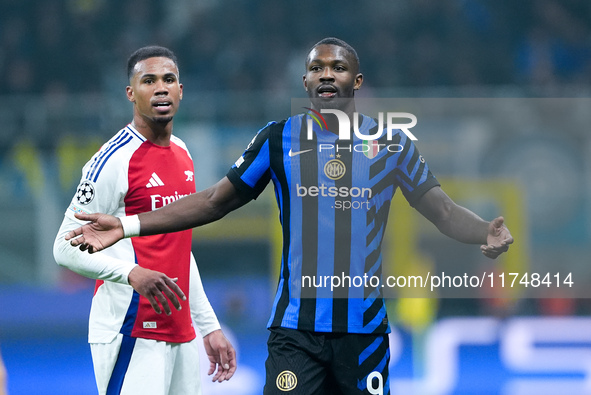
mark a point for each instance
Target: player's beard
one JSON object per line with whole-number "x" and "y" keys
{"x": 162, "y": 120}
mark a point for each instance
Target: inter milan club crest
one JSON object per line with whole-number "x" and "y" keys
{"x": 286, "y": 381}
{"x": 334, "y": 169}
{"x": 85, "y": 193}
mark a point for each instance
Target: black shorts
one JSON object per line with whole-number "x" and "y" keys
{"x": 315, "y": 363}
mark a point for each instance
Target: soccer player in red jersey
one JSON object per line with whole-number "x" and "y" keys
{"x": 148, "y": 294}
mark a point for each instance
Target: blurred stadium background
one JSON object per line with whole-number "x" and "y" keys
{"x": 241, "y": 62}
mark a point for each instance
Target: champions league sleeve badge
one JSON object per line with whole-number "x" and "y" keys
{"x": 85, "y": 193}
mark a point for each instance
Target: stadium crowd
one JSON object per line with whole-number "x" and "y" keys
{"x": 75, "y": 46}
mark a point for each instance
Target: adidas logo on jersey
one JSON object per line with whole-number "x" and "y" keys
{"x": 155, "y": 181}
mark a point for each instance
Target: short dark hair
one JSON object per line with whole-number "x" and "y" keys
{"x": 339, "y": 43}
{"x": 152, "y": 51}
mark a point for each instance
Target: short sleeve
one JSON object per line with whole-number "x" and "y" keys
{"x": 251, "y": 173}
{"x": 412, "y": 172}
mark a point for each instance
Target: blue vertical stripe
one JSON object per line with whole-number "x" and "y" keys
{"x": 131, "y": 314}
{"x": 120, "y": 369}
{"x": 290, "y": 136}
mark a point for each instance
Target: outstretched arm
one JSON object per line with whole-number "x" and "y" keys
{"x": 161, "y": 291}
{"x": 194, "y": 210}
{"x": 463, "y": 225}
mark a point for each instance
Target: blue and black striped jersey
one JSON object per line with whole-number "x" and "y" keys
{"x": 334, "y": 197}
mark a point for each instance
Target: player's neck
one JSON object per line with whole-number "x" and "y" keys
{"x": 155, "y": 132}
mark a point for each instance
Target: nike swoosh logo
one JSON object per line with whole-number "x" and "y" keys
{"x": 299, "y": 152}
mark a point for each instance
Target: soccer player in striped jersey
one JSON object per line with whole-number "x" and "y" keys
{"x": 136, "y": 349}
{"x": 334, "y": 202}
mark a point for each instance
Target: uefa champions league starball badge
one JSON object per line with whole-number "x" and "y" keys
{"x": 85, "y": 193}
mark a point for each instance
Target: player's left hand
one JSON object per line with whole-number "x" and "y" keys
{"x": 498, "y": 239}
{"x": 221, "y": 355}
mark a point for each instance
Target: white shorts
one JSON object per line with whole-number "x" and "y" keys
{"x": 135, "y": 366}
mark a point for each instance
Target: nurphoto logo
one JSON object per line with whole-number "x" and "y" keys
{"x": 345, "y": 124}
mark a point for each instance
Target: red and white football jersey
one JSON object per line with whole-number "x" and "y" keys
{"x": 130, "y": 175}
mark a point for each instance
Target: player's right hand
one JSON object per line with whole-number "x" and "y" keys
{"x": 157, "y": 287}
{"x": 101, "y": 232}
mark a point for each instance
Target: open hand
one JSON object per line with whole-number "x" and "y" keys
{"x": 498, "y": 239}
{"x": 101, "y": 232}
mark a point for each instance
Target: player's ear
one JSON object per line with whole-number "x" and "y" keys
{"x": 181, "y": 91}
{"x": 358, "y": 81}
{"x": 305, "y": 82}
{"x": 130, "y": 96}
